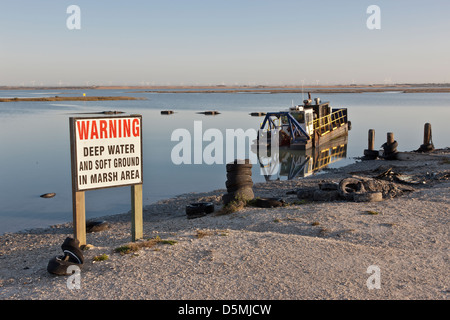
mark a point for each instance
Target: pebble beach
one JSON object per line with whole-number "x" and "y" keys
{"x": 304, "y": 250}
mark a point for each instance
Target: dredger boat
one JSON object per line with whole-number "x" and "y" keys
{"x": 306, "y": 126}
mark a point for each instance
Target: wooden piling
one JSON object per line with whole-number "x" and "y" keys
{"x": 390, "y": 138}
{"x": 427, "y": 145}
{"x": 427, "y": 134}
{"x": 371, "y": 142}
{"x": 370, "y": 153}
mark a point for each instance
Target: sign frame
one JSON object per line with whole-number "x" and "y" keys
{"x": 78, "y": 196}
{"x": 73, "y": 143}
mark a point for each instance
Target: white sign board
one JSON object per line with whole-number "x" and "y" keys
{"x": 106, "y": 151}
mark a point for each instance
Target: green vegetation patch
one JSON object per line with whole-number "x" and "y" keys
{"x": 136, "y": 246}
{"x": 101, "y": 257}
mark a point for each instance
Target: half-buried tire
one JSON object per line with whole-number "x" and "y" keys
{"x": 199, "y": 209}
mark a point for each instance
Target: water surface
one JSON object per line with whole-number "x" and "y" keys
{"x": 35, "y": 152}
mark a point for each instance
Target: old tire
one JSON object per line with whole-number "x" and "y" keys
{"x": 59, "y": 265}
{"x": 371, "y": 154}
{"x": 390, "y": 148}
{"x": 238, "y": 164}
{"x": 238, "y": 187}
{"x": 239, "y": 171}
{"x": 426, "y": 147}
{"x": 305, "y": 194}
{"x": 326, "y": 195}
{"x": 71, "y": 248}
{"x": 199, "y": 209}
{"x": 349, "y": 186}
{"x": 269, "y": 202}
{"x": 238, "y": 180}
{"x": 328, "y": 186}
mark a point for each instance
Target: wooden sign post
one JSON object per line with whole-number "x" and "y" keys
{"x": 106, "y": 152}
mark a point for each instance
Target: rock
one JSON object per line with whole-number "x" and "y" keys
{"x": 96, "y": 226}
{"x": 209, "y": 113}
{"x": 112, "y": 112}
{"x": 257, "y": 114}
{"x": 48, "y": 195}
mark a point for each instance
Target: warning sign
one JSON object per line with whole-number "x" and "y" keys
{"x": 106, "y": 152}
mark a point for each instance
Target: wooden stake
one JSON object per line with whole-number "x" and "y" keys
{"x": 371, "y": 145}
{"x": 136, "y": 212}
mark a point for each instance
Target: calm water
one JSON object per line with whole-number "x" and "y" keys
{"x": 35, "y": 153}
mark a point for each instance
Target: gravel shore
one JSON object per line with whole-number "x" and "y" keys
{"x": 301, "y": 251}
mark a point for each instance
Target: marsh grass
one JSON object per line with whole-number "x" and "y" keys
{"x": 205, "y": 233}
{"x": 136, "y": 246}
{"x": 101, "y": 257}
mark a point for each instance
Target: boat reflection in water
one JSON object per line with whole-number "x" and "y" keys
{"x": 294, "y": 163}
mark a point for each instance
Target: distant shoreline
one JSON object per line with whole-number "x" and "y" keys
{"x": 275, "y": 91}
{"x": 403, "y": 88}
{"x": 56, "y": 98}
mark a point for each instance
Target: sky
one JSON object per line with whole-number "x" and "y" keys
{"x": 232, "y": 42}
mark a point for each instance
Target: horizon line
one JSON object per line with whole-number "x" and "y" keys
{"x": 221, "y": 85}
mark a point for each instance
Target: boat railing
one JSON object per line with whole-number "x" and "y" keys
{"x": 294, "y": 127}
{"x": 330, "y": 122}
